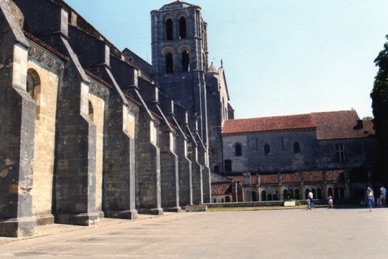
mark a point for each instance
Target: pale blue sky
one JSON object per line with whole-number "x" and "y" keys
{"x": 281, "y": 57}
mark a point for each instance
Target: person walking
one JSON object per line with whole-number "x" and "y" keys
{"x": 308, "y": 204}
{"x": 310, "y": 197}
{"x": 370, "y": 198}
{"x": 383, "y": 195}
{"x": 330, "y": 201}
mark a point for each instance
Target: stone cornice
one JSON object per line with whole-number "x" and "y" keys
{"x": 97, "y": 89}
{"x": 45, "y": 58}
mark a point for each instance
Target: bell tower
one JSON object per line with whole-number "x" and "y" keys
{"x": 180, "y": 57}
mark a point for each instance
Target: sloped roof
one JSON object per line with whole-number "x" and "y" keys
{"x": 312, "y": 176}
{"x": 176, "y": 4}
{"x": 267, "y": 124}
{"x": 221, "y": 188}
{"x": 45, "y": 46}
{"x": 341, "y": 125}
{"x": 335, "y": 175}
{"x": 328, "y": 125}
{"x": 293, "y": 177}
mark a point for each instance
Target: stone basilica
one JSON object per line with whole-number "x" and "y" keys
{"x": 90, "y": 131}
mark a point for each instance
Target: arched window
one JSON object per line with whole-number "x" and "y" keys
{"x": 275, "y": 195}
{"x": 307, "y": 193}
{"x": 297, "y": 194}
{"x": 33, "y": 82}
{"x": 319, "y": 193}
{"x": 185, "y": 61}
{"x": 296, "y": 147}
{"x": 33, "y": 89}
{"x": 169, "y": 29}
{"x": 228, "y": 166}
{"x": 292, "y": 194}
{"x": 91, "y": 111}
{"x": 330, "y": 192}
{"x": 182, "y": 27}
{"x": 169, "y": 63}
{"x": 286, "y": 194}
{"x": 267, "y": 149}
{"x": 227, "y": 199}
{"x": 238, "y": 150}
{"x": 314, "y": 193}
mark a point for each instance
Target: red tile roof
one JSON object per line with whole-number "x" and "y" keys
{"x": 313, "y": 176}
{"x": 328, "y": 125}
{"x": 293, "y": 178}
{"x": 45, "y": 46}
{"x": 269, "y": 179}
{"x": 266, "y": 124}
{"x": 98, "y": 79}
{"x": 341, "y": 125}
{"x": 221, "y": 188}
{"x": 335, "y": 175}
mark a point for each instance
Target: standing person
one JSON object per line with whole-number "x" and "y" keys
{"x": 383, "y": 195}
{"x": 377, "y": 193}
{"x": 310, "y": 197}
{"x": 370, "y": 198}
{"x": 330, "y": 200}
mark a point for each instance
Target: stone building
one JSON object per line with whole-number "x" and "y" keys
{"x": 89, "y": 131}
{"x": 285, "y": 157}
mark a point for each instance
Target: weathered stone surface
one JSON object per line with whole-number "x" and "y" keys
{"x": 87, "y": 133}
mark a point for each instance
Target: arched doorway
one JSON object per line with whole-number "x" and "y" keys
{"x": 263, "y": 195}
{"x": 254, "y": 196}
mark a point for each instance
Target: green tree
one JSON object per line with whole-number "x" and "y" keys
{"x": 367, "y": 118}
{"x": 379, "y": 97}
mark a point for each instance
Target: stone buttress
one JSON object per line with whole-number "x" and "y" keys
{"x": 18, "y": 125}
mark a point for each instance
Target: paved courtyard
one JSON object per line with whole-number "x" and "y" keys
{"x": 293, "y": 233}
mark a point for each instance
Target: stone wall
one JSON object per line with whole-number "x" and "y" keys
{"x": 45, "y": 96}
{"x": 281, "y": 156}
{"x": 98, "y": 109}
{"x": 86, "y": 136}
{"x": 18, "y": 112}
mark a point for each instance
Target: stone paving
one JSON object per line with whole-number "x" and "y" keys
{"x": 296, "y": 233}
